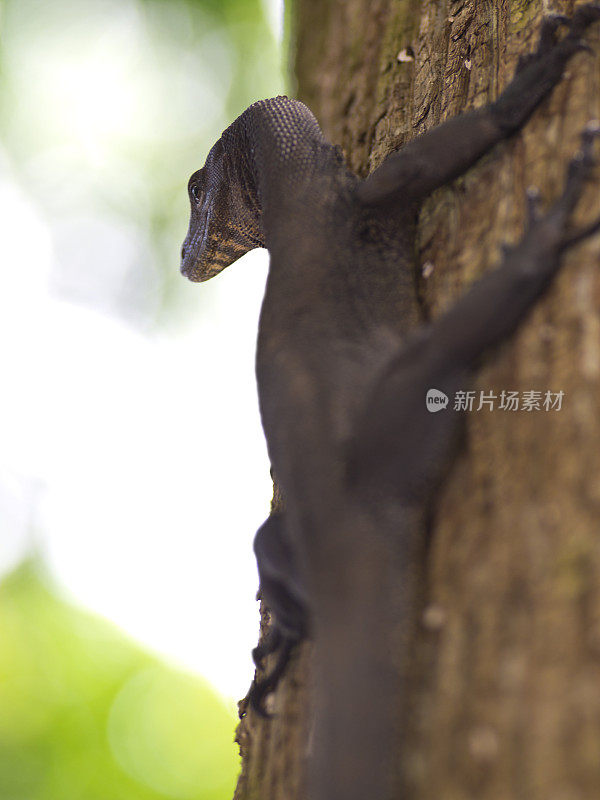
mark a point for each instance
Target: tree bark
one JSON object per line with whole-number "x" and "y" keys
{"x": 505, "y": 694}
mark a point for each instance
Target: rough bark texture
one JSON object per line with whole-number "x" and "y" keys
{"x": 506, "y": 690}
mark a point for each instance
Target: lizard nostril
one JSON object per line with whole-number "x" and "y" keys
{"x": 183, "y": 252}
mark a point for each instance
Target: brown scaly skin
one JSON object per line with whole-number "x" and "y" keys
{"x": 343, "y": 368}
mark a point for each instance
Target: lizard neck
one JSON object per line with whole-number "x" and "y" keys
{"x": 284, "y": 153}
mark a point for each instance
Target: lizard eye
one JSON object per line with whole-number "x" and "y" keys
{"x": 195, "y": 192}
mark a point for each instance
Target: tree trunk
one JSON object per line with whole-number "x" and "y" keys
{"x": 506, "y": 686}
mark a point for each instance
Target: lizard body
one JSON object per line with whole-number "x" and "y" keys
{"x": 342, "y": 369}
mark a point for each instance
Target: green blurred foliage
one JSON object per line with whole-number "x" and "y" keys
{"x": 87, "y": 715}
{"x": 106, "y": 108}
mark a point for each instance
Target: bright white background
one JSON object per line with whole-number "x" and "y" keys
{"x": 121, "y": 447}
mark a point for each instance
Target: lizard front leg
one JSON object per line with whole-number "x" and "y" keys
{"x": 447, "y": 151}
{"x": 398, "y": 448}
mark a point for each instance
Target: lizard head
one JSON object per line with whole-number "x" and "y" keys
{"x": 225, "y": 215}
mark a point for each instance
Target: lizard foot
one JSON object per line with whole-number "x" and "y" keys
{"x": 554, "y": 223}
{"x": 283, "y": 592}
{"x": 579, "y": 172}
{"x": 583, "y": 17}
{"x": 547, "y": 39}
{"x": 261, "y": 688}
{"x": 533, "y": 206}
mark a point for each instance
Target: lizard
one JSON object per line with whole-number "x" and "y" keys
{"x": 343, "y": 364}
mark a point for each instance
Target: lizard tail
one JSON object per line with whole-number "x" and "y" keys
{"x": 363, "y": 642}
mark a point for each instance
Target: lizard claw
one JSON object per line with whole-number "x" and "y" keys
{"x": 583, "y": 161}
{"x": 577, "y": 25}
{"x": 533, "y": 205}
{"x": 573, "y": 237}
{"x": 260, "y": 689}
{"x": 589, "y": 134}
{"x": 582, "y": 47}
{"x": 578, "y": 172}
{"x": 269, "y": 644}
{"x": 556, "y": 219}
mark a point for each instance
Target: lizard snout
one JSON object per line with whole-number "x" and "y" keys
{"x": 184, "y": 267}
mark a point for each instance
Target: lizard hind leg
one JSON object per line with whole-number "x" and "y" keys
{"x": 283, "y": 592}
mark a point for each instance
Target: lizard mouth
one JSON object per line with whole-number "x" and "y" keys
{"x": 190, "y": 274}
{"x": 194, "y": 273}
{"x": 197, "y": 268}
{"x": 205, "y": 256}
{"x": 191, "y": 266}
